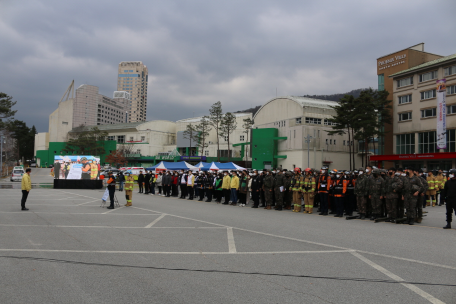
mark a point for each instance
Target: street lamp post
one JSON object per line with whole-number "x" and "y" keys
{"x": 1, "y": 155}
{"x": 307, "y": 139}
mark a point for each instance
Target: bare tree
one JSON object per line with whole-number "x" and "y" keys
{"x": 190, "y": 134}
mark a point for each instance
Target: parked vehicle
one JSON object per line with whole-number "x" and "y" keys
{"x": 17, "y": 174}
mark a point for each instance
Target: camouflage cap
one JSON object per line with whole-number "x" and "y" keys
{"x": 376, "y": 171}
{"x": 83, "y": 158}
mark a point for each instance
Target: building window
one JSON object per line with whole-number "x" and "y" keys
{"x": 405, "y": 82}
{"x": 381, "y": 82}
{"x": 451, "y": 140}
{"x": 298, "y": 120}
{"x": 330, "y": 141}
{"x": 206, "y": 153}
{"x": 451, "y": 90}
{"x": 428, "y": 94}
{"x": 326, "y": 141}
{"x": 226, "y": 138}
{"x": 405, "y": 99}
{"x": 334, "y": 141}
{"x": 111, "y": 138}
{"x": 428, "y": 76}
{"x": 138, "y": 151}
{"x": 241, "y": 138}
{"x": 143, "y": 138}
{"x": 426, "y": 142}
{"x": 327, "y": 122}
{"x": 343, "y": 142}
{"x": 405, "y": 116}
{"x": 311, "y": 120}
{"x": 405, "y": 143}
{"x": 450, "y": 70}
{"x": 451, "y": 109}
{"x": 428, "y": 113}
{"x": 131, "y": 138}
{"x": 120, "y": 139}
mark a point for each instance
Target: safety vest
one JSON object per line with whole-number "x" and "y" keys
{"x": 324, "y": 182}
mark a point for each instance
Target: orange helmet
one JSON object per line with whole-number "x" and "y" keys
{"x": 297, "y": 169}
{"x": 308, "y": 170}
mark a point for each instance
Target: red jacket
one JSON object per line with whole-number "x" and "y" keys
{"x": 174, "y": 179}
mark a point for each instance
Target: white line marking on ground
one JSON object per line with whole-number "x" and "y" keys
{"x": 161, "y": 252}
{"x": 73, "y": 226}
{"x": 78, "y": 213}
{"x": 113, "y": 210}
{"x": 96, "y": 200}
{"x": 231, "y": 244}
{"x": 155, "y": 221}
{"x": 388, "y": 273}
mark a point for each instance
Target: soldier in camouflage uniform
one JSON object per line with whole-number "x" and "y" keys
{"x": 361, "y": 192}
{"x": 412, "y": 188}
{"x": 376, "y": 189}
{"x": 279, "y": 182}
{"x": 421, "y": 197}
{"x": 400, "y": 201}
{"x": 393, "y": 185}
{"x": 268, "y": 184}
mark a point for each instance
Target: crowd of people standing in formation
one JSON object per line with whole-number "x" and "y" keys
{"x": 394, "y": 195}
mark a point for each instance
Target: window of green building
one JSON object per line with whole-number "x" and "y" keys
{"x": 405, "y": 143}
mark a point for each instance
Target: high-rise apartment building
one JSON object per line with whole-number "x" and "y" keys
{"x": 132, "y": 78}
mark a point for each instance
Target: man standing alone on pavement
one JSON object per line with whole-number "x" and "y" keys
{"x": 111, "y": 188}
{"x": 26, "y": 186}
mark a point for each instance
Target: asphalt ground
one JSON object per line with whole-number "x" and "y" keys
{"x": 68, "y": 249}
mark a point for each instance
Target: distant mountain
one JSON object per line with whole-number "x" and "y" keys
{"x": 333, "y": 97}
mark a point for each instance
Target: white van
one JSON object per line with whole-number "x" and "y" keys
{"x": 17, "y": 174}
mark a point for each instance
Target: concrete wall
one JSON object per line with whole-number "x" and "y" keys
{"x": 41, "y": 142}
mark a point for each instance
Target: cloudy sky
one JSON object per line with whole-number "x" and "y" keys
{"x": 199, "y": 52}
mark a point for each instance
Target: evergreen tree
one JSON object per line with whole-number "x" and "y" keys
{"x": 228, "y": 125}
{"x": 248, "y": 124}
{"x": 6, "y": 112}
{"x": 86, "y": 142}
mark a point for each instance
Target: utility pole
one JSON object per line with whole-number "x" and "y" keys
{"x": 307, "y": 139}
{"x": 1, "y": 156}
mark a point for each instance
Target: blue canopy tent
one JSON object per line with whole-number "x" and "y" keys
{"x": 201, "y": 164}
{"x": 221, "y": 166}
{"x": 172, "y": 166}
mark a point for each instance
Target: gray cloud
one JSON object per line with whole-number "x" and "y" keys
{"x": 199, "y": 52}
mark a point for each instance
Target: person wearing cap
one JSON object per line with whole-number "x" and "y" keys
{"x": 349, "y": 199}
{"x": 279, "y": 187}
{"x": 255, "y": 187}
{"x": 412, "y": 188}
{"x": 183, "y": 184}
{"x": 141, "y": 182}
{"x": 268, "y": 184}
{"x": 201, "y": 185}
{"x": 376, "y": 191}
{"x": 339, "y": 190}
{"x": 323, "y": 184}
{"x": 190, "y": 185}
{"x": 111, "y": 188}
{"x": 147, "y": 182}
{"x": 448, "y": 196}
{"x": 361, "y": 191}
{"x": 393, "y": 186}
{"x": 129, "y": 184}
{"x": 288, "y": 195}
{"x": 85, "y": 168}
{"x": 226, "y": 183}
{"x": 308, "y": 187}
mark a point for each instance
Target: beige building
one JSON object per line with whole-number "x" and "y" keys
{"x": 296, "y": 118}
{"x": 415, "y": 115}
{"x": 132, "y": 78}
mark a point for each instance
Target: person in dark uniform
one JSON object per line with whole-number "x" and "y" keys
{"x": 256, "y": 188}
{"x": 141, "y": 182}
{"x": 200, "y": 184}
{"x": 111, "y": 188}
{"x": 323, "y": 183}
{"x": 448, "y": 196}
{"x": 209, "y": 185}
{"x": 183, "y": 184}
{"x": 147, "y": 182}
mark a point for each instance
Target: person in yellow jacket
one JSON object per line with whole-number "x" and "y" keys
{"x": 432, "y": 190}
{"x": 26, "y": 186}
{"x": 93, "y": 170}
{"x": 234, "y": 186}
{"x": 226, "y": 187}
{"x": 308, "y": 186}
{"x": 296, "y": 189}
{"x": 129, "y": 183}
{"x": 439, "y": 185}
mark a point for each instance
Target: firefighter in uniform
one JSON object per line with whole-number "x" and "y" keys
{"x": 339, "y": 189}
{"x": 439, "y": 184}
{"x": 296, "y": 189}
{"x": 129, "y": 183}
{"x": 308, "y": 190}
{"x": 324, "y": 182}
{"x": 431, "y": 191}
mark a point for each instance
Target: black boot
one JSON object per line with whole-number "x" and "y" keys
{"x": 363, "y": 216}
{"x": 448, "y": 226}
{"x": 411, "y": 221}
